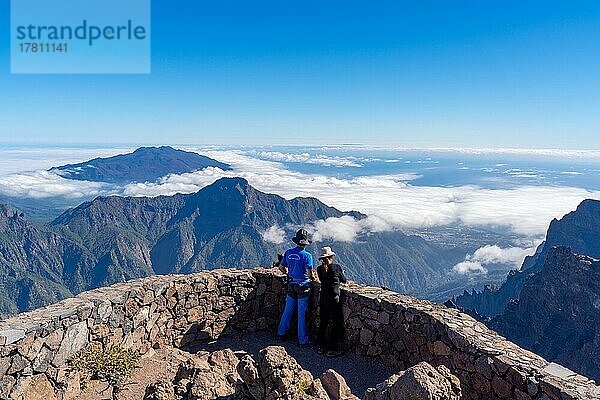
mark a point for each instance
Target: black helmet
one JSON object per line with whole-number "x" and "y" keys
{"x": 301, "y": 238}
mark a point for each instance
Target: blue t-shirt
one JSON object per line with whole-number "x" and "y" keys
{"x": 298, "y": 261}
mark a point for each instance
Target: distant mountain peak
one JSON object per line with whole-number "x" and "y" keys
{"x": 234, "y": 182}
{"x": 239, "y": 185}
{"x": 588, "y": 205}
{"x": 151, "y": 148}
{"x": 145, "y": 164}
{"x": 225, "y": 188}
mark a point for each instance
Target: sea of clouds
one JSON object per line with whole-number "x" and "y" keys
{"x": 390, "y": 201}
{"x": 526, "y": 210}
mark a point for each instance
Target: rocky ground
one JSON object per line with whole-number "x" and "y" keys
{"x": 238, "y": 369}
{"x": 351, "y": 366}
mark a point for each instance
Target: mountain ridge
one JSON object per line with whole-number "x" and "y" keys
{"x": 111, "y": 239}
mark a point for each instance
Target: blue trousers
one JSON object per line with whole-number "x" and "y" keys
{"x": 286, "y": 319}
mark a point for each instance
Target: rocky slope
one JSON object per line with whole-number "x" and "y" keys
{"x": 557, "y": 314}
{"x": 37, "y": 266}
{"x": 143, "y": 165}
{"x": 579, "y": 229}
{"x": 222, "y": 226}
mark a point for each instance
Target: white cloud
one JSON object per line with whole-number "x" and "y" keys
{"x": 495, "y": 254}
{"x": 469, "y": 267}
{"x": 492, "y": 254}
{"x": 44, "y": 184}
{"x": 274, "y": 235}
{"x": 519, "y": 173}
{"x": 307, "y": 158}
{"x": 346, "y": 228}
{"x": 172, "y": 184}
{"x": 558, "y": 153}
{"x": 23, "y": 172}
{"x": 20, "y": 159}
{"x": 342, "y": 229}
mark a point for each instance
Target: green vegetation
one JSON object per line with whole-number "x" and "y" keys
{"x": 303, "y": 386}
{"x": 113, "y": 365}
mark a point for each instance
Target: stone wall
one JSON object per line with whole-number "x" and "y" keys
{"x": 401, "y": 331}
{"x": 180, "y": 310}
{"x": 147, "y": 313}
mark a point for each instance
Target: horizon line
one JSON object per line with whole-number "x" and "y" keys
{"x": 474, "y": 150}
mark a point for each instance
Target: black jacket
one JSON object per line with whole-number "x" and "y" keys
{"x": 331, "y": 279}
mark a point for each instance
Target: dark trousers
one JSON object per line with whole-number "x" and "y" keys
{"x": 331, "y": 314}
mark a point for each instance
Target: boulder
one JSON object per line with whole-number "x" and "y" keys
{"x": 75, "y": 339}
{"x": 336, "y": 387}
{"x": 382, "y": 390}
{"x": 249, "y": 374}
{"x": 278, "y": 376}
{"x": 160, "y": 390}
{"x": 419, "y": 382}
{"x": 36, "y": 387}
{"x": 208, "y": 376}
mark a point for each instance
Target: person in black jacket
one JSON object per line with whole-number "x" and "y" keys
{"x": 330, "y": 276}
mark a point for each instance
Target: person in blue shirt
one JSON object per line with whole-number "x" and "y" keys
{"x": 297, "y": 263}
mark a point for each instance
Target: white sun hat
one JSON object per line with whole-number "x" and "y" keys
{"x": 326, "y": 252}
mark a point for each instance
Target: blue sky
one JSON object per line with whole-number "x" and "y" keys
{"x": 428, "y": 73}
